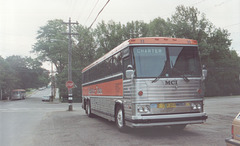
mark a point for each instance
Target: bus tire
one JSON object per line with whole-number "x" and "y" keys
{"x": 120, "y": 120}
{"x": 88, "y": 109}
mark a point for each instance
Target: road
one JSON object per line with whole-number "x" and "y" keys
{"x": 33, "y": 122}
{"x": 19, "y": 118}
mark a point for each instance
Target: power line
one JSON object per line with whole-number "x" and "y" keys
{"x": 92, "y": 11}
{"x": 83, "y": 6}
{"x": 99, "y": 14}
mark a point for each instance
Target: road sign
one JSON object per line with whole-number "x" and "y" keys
{"x": 69, "y": 84}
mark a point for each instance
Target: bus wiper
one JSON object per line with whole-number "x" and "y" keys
{"x": 164, "y": 70}
{"x": 157, "y": 78}
{"x": 185, "y": 78}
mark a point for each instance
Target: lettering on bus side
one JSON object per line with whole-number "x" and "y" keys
{"x": 173, "y": 82}
{"x": 95, "y": 91}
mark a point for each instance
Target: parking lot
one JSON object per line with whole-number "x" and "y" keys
{"x": 43, "y": 123}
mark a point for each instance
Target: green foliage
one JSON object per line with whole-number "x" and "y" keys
{"x": 7, "y": 77}
{"x": 17, "y": 72}
{"x": 108, "y": 37}
{"x": 159, "y": 28}
{"x": 222, "y": 63}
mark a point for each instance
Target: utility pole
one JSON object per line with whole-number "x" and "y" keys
{"x": 70, "y": 95}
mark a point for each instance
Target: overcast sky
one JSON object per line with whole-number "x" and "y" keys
{"x": 21, "y": 19}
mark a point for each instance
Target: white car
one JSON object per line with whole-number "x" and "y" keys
{"x": 235, "y": 139}
{"x": 46, "y": 98}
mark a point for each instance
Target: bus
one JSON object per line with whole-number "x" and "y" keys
{"x": 18, "y": 94}
{"x": 146, "y": 82}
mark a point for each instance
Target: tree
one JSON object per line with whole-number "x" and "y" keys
{"x": 159, "y": 28}
{"x": 187, "y": 22}
{"x": 7, "y": 78}
{"x": 108, "y": 36}
{"x": 84, "y": 53}
{"x": 52, "y": 45}
{"x": 27, "y": 72}
{"x": 135, "y": 29}
{"x": 214, "y": 49}
{"x": 17, "y": 72}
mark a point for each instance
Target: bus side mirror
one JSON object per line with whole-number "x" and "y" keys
{"x": 129, "y": 72}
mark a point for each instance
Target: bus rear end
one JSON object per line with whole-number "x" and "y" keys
{"x": 18, "y": 94}
{"x": 163, "y": 84}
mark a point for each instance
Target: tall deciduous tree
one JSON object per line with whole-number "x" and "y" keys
{"x": 19, "y": 72}
{"x": 214, "y": 44}
{"x": 159, "y": 28}
{"x": 107, "y": 36}
{"x": 52, "y": 44}
{"x": 27, "y": 72}
{"x": 7, "y": 78}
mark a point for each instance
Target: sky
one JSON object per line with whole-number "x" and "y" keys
{"x": 21, "y": 19}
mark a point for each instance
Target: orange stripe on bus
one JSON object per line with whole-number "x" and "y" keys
{"x": 111, "y": 88}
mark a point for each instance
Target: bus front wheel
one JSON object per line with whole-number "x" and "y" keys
{"x": 120, "y": 121}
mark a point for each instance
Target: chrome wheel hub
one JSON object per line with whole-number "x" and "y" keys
{"x": 120, "y": 118}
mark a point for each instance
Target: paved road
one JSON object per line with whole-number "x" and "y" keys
{"x": 19, "y": 118}
{"x": 44, "y": 124}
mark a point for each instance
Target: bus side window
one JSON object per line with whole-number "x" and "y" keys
{"x": 117, "y": 63}
{"x": 126, "y": 62}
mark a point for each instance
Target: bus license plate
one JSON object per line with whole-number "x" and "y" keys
{"x": 166, "y": 105}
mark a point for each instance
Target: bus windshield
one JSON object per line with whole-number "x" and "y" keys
{"x": 168, "y": 62}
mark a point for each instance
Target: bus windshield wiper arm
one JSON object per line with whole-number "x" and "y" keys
{"x": 185, "y": 78}
{"x": 157, "y": 78}
{"x": 165, "y": 68}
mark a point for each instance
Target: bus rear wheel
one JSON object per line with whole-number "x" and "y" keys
{"x": 119, "y": 118}
{"x": 88, "y": 109}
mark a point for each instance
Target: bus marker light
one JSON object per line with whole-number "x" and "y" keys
{"x": 199, "y": 91}
{"x": 140, "y": 93}
{"x": 132, "y": 40}
{"x": 194, "y": 42}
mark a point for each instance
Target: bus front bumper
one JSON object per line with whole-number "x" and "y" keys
{"x": 166, "y": 120}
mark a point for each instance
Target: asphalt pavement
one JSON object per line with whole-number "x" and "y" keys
{"x": 32, "y": 122}
{"x": 19, "y": 118}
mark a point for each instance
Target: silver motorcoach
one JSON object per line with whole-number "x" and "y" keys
{"x": 159, "y": 83}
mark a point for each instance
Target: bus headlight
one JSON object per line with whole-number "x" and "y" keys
{"x": 143, "y": 108}
{"x": 196, "y": 106}
{"x": 199, "y": 106}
